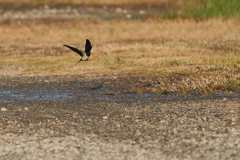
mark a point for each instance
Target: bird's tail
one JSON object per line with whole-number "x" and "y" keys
{"x": 78, "y": 61}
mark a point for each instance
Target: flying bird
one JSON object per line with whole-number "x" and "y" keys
{"x": 84, "y": 54}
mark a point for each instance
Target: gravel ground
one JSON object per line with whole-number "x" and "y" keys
{"x": 76, "y": 11}
{"x": 176, "y": 129}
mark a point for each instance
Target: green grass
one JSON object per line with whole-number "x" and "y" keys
{"x": 198, "y": 9}
{"x": 40, "y": 63}
{"x": 207, "y": 9}
{"x": 114, "y": 61}
{"x": 174, "y": 62}
{"x": 3, "y": 63}
{"x": 158, "y": 72}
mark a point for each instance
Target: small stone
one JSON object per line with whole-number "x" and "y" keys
{"x": 3, "y": 109}
{"x": 124, "y": 11}
{"x": 105, "y": 117}
{"x": 129, "y": 16}
{"x": 127, "y": 117}
{"x": 224, "y": 99}
{"x": 119, "y": 10}
{"x": 46, "y": 6}
{"x": 142, "y": 12}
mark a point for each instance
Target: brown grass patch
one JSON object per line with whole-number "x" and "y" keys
{"x": 204, "y": 53}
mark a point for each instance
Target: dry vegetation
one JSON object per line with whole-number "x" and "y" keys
{"x": 183, "y": 55}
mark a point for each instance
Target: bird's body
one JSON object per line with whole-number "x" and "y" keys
{"x": 84, "y": 54}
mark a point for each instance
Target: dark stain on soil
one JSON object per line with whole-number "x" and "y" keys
{"x": 95, "y": 89}
{"x": 186, "y": 123}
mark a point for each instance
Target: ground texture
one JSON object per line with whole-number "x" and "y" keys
{"x": 134, "y": 98}
{"x": 174, "y": 129}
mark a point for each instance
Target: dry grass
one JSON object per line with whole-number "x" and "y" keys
{"x": 182, "y": 55}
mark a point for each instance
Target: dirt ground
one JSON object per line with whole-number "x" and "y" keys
{"x": 101, "y": 110}
{"x": 187, "y": 128}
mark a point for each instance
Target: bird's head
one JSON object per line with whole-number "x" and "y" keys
{"x": 88, "y": 54}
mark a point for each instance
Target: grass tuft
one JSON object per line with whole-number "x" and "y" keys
{"x": 206, "y": 9}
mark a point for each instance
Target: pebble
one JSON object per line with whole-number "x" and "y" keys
{"x": 139, "y": 137}
{"x": 3, "y": 109}
{"x": 142, "y": 12}
{"x": 127, "y": 117}
{"x": 118, "y": 10}
{"x": 46, "y": 6}
{"x": 129, "y": 16}
{"x": 105, "y": 117}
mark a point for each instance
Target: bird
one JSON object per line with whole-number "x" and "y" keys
{"x": 84, "y": 54}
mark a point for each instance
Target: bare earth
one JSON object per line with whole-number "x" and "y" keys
{"x": 140, "y": 129}
{"x": 108, "y": 108}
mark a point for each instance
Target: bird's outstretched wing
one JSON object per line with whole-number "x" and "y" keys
{"x": 88, "y": 46}
{"x": 80, "y": 52}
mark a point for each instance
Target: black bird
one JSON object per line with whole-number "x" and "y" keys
{"x": 84, "y": 54}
